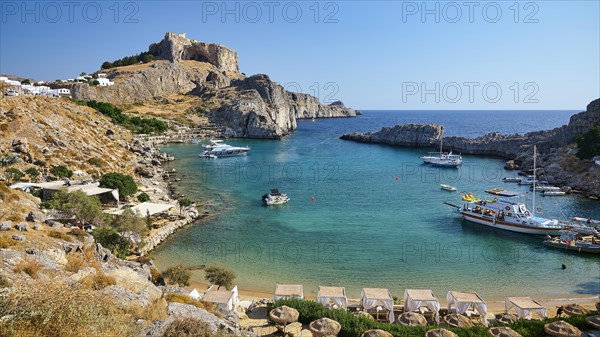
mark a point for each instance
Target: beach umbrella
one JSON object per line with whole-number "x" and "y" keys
{"x": 376, "y": 333}
{"x": 593, "y": 321}
{"x": 458, "y": 321}
{"x": 575, "y": 310}
{"x": 304, "y": 333}
{"x": 363, "y": 314}
{"x": 507, "y": 318}
{"x": 284, "y": 315}
{"x": 440, "y": 333}
{"x": 412, "y": 319}
{"x": 324, "y": 327}
{"x": 503, "y": 332}
{"x": 561, "y": 329}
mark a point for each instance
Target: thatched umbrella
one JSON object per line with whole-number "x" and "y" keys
{"x": 561, "y": 329}
{"x": 503, "y": 332}
{"x": 324, "y": 327}
{"x": 575, "y": 310}
{"x": 284, "y": 315}
{"x": 412, "y": 319}
{"x": 304, "y": 333}
{"x": 593, "y": 321}
{"x": 376, "y": 333}
{"x": 507, "y": 318}
{"x": 364, "y": 314}
{"x": 458, "y": 321}
{"x": 440, "y": 333}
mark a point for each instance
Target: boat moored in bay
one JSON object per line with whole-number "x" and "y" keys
{"x": 217, "y": 149}
{"x": 570, "y": 240}
{"x": 275, "y": 198}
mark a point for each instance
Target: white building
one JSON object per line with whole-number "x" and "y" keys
{"x": 105, "y": 82}
{"x": 61, "y": 92}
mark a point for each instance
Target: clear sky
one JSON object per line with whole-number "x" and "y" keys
{"x": 371, "y": 55}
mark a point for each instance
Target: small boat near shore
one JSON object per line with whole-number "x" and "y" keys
{"x": 501, "y": 192}
{"x": 569, "y": 240}
{"x": 511, "y": 179}
{"x": 446, "y": 187}
{"x": 275, "y": 198}
{"x": 442, "y": 159}
{"x": 531, "y": 179}
{"x": 547, "y": 193}
{"x": 589, "y": 221}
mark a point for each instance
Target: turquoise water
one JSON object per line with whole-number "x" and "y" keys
{"x": 371, "y": 215}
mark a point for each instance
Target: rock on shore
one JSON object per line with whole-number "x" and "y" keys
{"x": 252, "y": 107}
{"x": 556, "y": 147}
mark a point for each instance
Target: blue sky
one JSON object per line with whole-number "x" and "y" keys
{"x": 371, "y": 55}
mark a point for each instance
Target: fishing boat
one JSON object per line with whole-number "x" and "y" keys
{"x": 547, "y": 193}
{"x": 501, "y": 192}
{"x": 447, "y": 187}
{"x": 442, "y": 159}
{"x": 569, "y": 240}
{"x": 216, "y": 148}
{"x": 275, "y": 198}
{"x": 511, "y": 179}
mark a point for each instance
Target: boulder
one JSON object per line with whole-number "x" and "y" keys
{"x": 5, "y": 226}
{"x": 18, "y": 237}
{"x": 20, "y": 145}
{"x": 35, "y": 216}
{"x": 22, "y": 227}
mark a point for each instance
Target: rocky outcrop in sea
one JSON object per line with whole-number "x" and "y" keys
{"x": 556, "y": 147}
{"x": 252, "y": 107}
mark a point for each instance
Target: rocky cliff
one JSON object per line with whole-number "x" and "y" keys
{"x": 556, "y": 146}
{"x": 253, "y": 107}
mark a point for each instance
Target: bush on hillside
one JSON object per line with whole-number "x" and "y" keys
{"x": 589, "y": 144}
{"x": 109, "y": 238}
{"x": 124, "y": 183}
{"x": 78, "y": 204}
{"x": 61, "y": 171}
{"x": 135, "y": 124}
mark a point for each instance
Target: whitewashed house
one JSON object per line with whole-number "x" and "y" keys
{"x": 105, "y": 82}
{"x": 101, "y": 75}
{"x": 61, "y": 92}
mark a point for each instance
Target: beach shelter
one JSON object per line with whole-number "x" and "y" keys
{"x": 336, "y": 295}
{"x": 288, "y": 291}
{"x": 373, "y": 297}
{"x": 464, "y": 300}
{"x": 223, "y": 298}
{"x": 194, "y": 294}
{"x": 524, "y": 306}
{"x": 417, "y": 298}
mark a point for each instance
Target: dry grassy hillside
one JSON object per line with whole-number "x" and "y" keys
{"x": 50, "y": 131}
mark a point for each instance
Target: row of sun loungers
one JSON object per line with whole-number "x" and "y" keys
{"x": 380, "y": 300}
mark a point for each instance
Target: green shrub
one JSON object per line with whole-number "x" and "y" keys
{"x": 13, "y": 175}
{"x": 135, "y": 124}
{"x": 589, "y": 143}
{"x": 78, "y": 204}
{"x": 61, "y": 171}
{"x": 143, "y": 197}
{"x": 219, "y": 276}
{"x": 33, "y": 173}
{"x": 123, "y": 182}
{"x": 178, "y": 275}
{"x": 143, "y": 57}
{"x": 110, "y": 239}
{"x": 4, "y": 282}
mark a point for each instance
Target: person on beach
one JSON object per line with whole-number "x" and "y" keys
{"x": 560, "y": 310}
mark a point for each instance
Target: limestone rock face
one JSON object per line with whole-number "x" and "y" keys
{"x": 411, "y": 135}
{"x": 253, "y": 107}
{"x": 176, "y": 47}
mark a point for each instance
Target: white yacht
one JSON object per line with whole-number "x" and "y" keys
{"x": 442, "y": 159}
{"x": 216, "y": 149}
{"x": 275, "y": 198}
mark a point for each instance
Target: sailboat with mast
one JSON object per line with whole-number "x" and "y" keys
{"x": 508, "y": 215}
{"x": 442, "y": 159}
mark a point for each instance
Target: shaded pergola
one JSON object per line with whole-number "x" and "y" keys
{"x": 373, "y": 297}
{"x": 524, "y": 306}
{"x": 288, "y": 291}
{"x": 417, "y": 298}
{"x": 462, "y": 301}
{"x": 335, "y": 295}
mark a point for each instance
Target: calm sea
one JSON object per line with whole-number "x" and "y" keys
{"x": 365, "y": 215}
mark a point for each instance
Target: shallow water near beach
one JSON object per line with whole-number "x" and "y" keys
{"x": 367, "y": 215}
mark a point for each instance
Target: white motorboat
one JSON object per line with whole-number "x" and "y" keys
{"x": 531, "y": 179}
{"x": 275, "y": 198}
{"x": 511, "y": 179}
{"x": 589, "y": 221}
{"x": 545, "y": 188}
{"x": 447, "y": 187}
{"x": 442, "y": 159}
{"x": 217, "y": 149}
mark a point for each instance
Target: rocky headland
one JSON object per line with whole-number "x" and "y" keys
{"x": 556, "y": 147}
{"x": 251, "y": 107}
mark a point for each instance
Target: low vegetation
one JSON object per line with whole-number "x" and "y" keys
{"x": 61, "y": 171}
{"x": 98, "y": 281}
{"x": 186, "y": 299}
{"x": 589, "y": 143}
{"x": 13, "y": 175}
{"x": 6, "y": 242}
{"x": 143, "y": 197}
{"x": 59, "y": 235}
{"x": 75, "y": 262}
{"x": 143, "y": 57}
{"x": 4, "y": 282}
{"x": 135, "y": 124}
{"x": 353, "y": 326}
{"x": 30, "y": 267}
{"x": 78, "y": 204}
{"x": 188, "y": 326}
{"x": 109, "y": 238}
{"x": 56, "y": 309}
{"x": 178, "y": 275}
